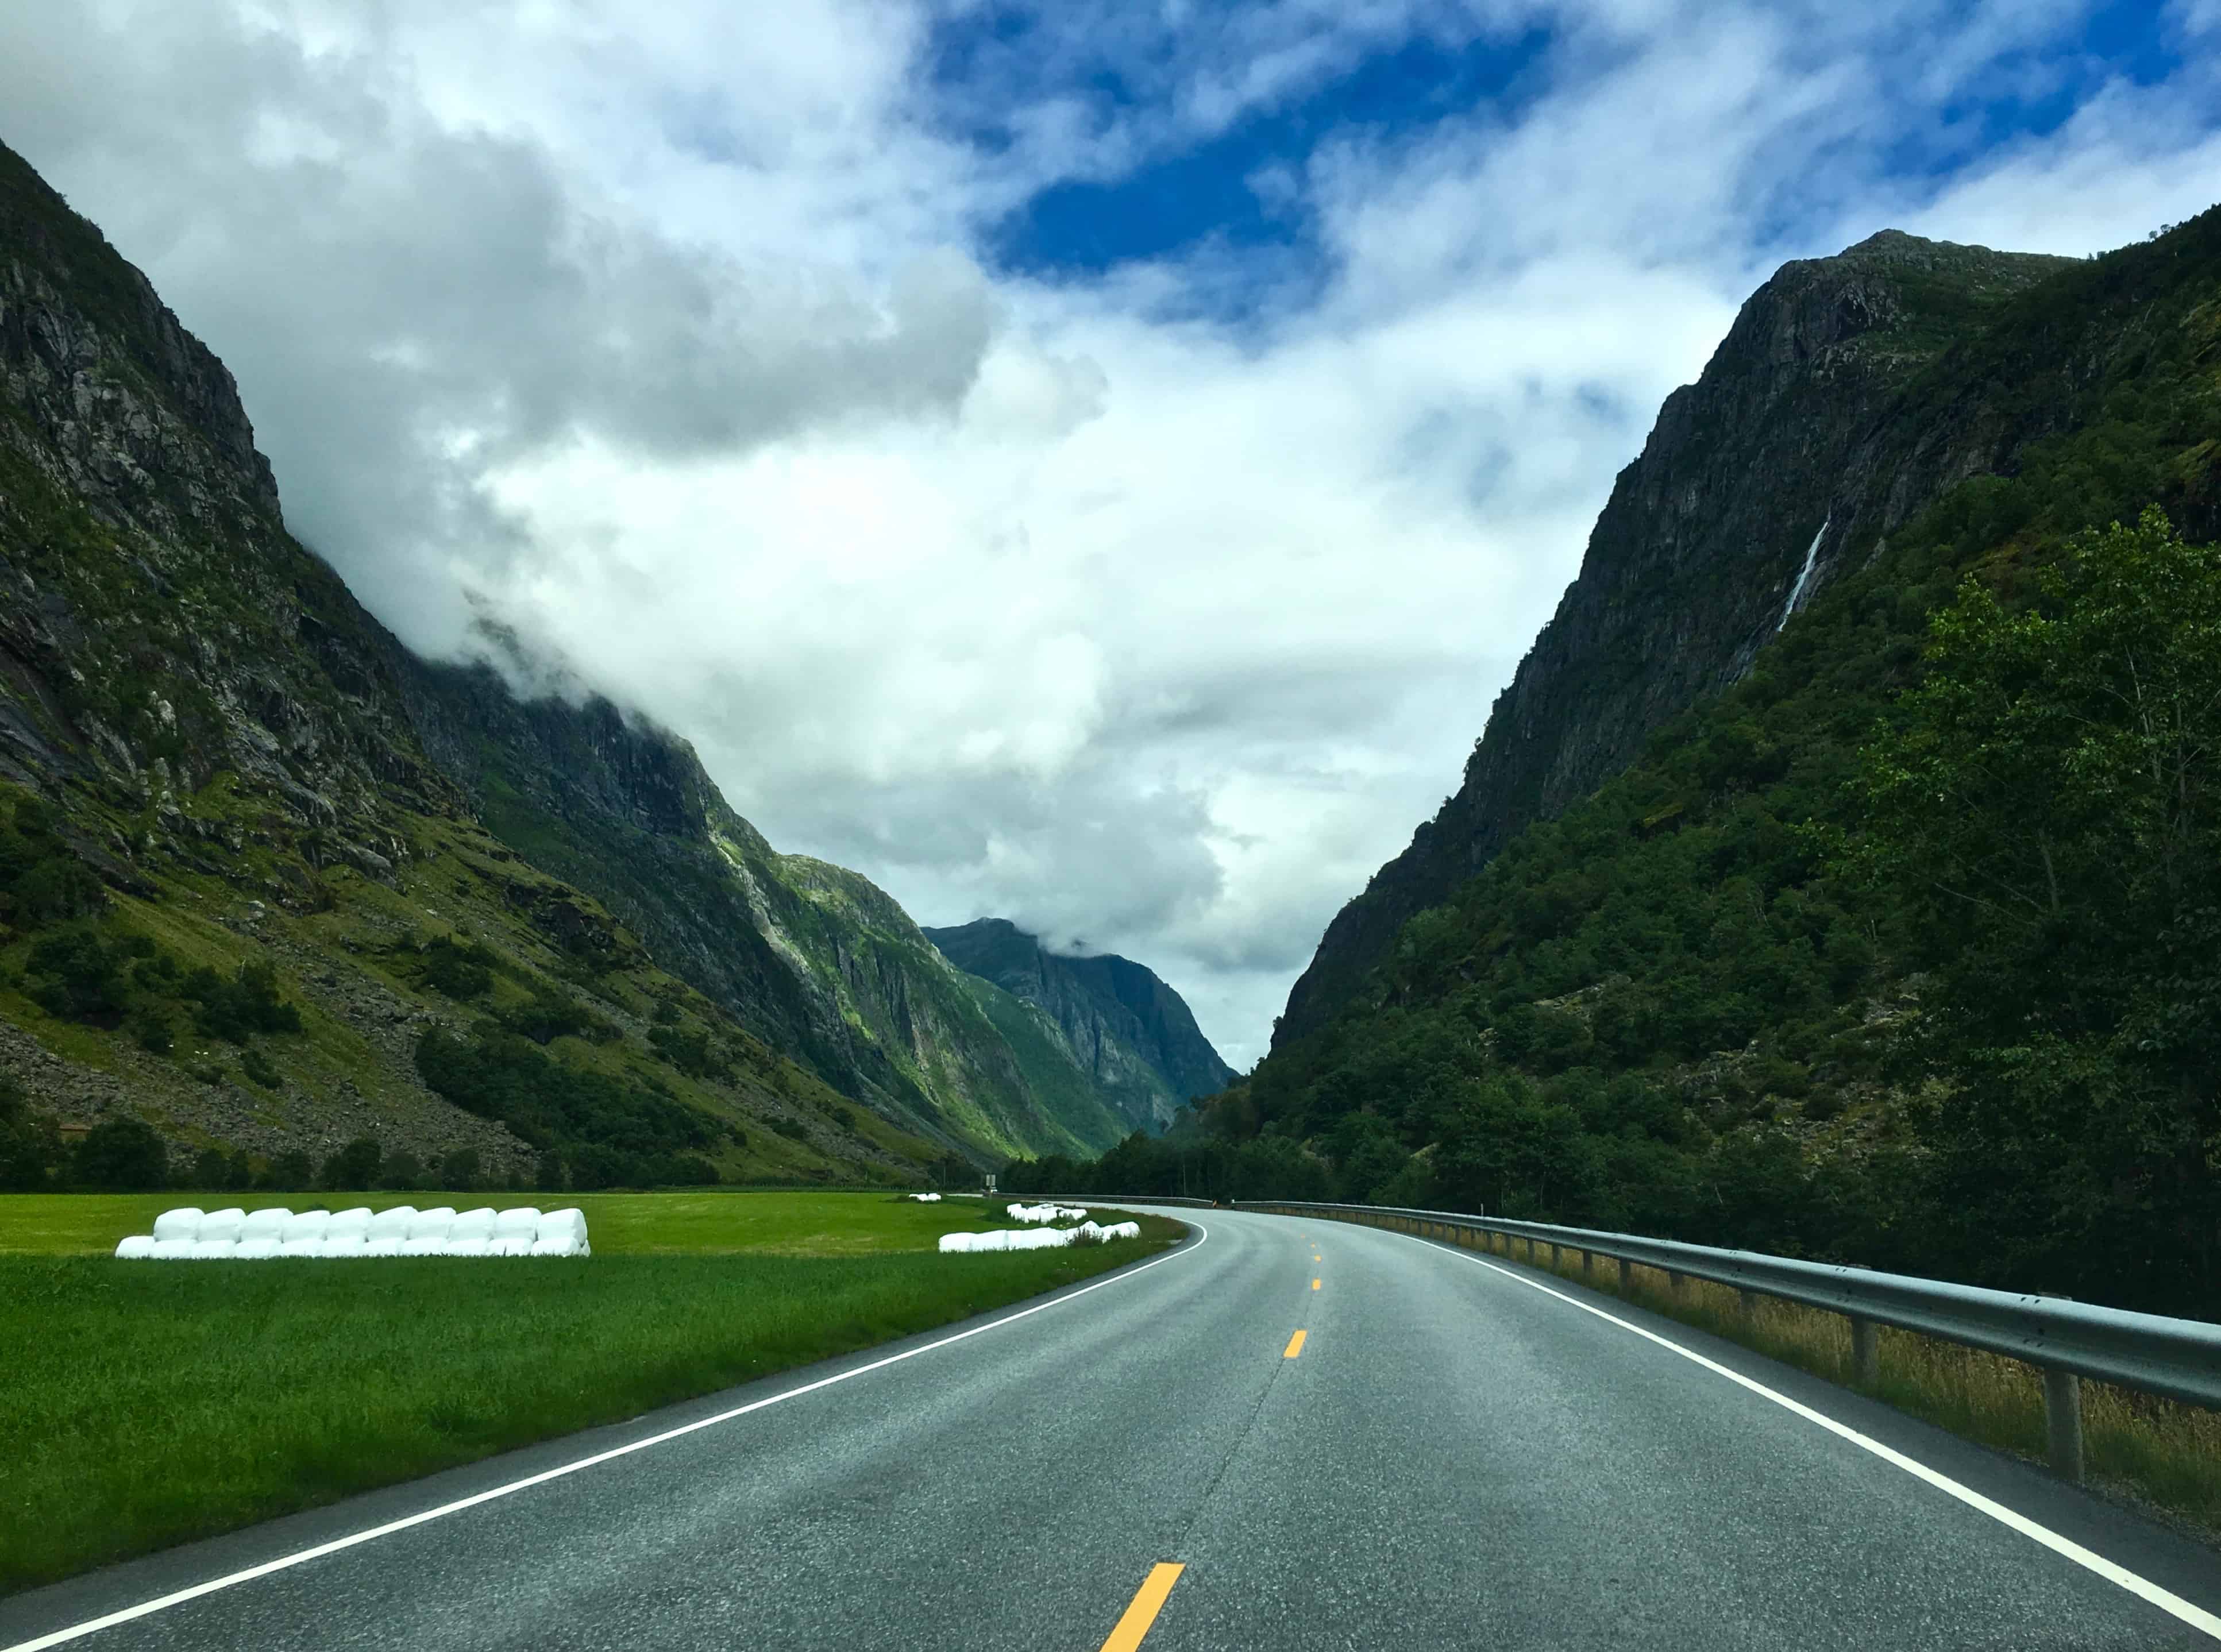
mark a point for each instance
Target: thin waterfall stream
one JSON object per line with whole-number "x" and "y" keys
{"x": 1804, "y": 572}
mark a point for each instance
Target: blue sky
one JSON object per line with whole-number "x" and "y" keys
{"x": 1095, "y": 463}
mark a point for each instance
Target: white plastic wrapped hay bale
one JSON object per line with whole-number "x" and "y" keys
{"x": 561, "y": 1245}
{"x": 391, "y": 1225}
{"x": 260, "y": 1248}
{"x": 137, "y": 1249}
{"x": 173, "y": 1250}
{"x": 1123, "y": 1230}
{"x": 467, "y": 1247}
{"x": 926, "y": 1199}
{"x": 222, "y": 1227}
{"x": 430, "y": 1245}
{"x": 472, "y": 1227}
{"x": 563, "y": 1224}
{"x": 293, "y": 1250}
{"x": 213, "y": 1250}
{"x": 383, "y": 1245}
{"x": 510, "y": 1244}
{"x": 952, "y": 1243}
{"x": 309, "y": 1224}
{"x": 353, "y": 1220}
{"x": 1085, "y": 1234}
{"x": 184, "y": 1222}
{"x": 995, "y": 1239}
{"x": 336, "y": 1246}
{"x": 263, "y": 1224}
{"x": 524, "y": 1220}
{"x": 433, "y": 1223}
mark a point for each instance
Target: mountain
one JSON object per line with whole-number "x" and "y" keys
{"x": 270, "y": 883}
{"x": 1759, "y": 482}
{"x": 1886, "y": 935}
{"x": 1132, "y": 1035}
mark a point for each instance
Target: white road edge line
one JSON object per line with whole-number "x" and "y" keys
{"x": 148, "y": 1608}
{"x": 2167, "y": 1601}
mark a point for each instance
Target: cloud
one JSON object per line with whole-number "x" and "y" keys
{"x": 1151, "y": 606}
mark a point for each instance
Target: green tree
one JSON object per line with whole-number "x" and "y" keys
{"x": 2044, "y": 807}
{"x": 353, "y": 1168}
{"x": 121, "y": 1155}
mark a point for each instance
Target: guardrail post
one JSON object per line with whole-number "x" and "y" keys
{"x": 2062, "y": 1418}
{"x": 1866, "y": 1352}
{"x": 1588, "y": 1264}
{"x": 1677, "y": 1283}
{"x": 1747, "y": 1308}
{"x": 1626, "y": 1273}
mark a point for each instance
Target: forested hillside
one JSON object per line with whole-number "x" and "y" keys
{"x": 1904, "y": 949}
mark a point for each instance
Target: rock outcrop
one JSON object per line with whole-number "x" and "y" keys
{"x": 1796, "y": 448}
{"x": 1133, "y": 1035}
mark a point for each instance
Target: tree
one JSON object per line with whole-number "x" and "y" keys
{"x": 30, "y": 1145}
{"x": 2046, "y": 808}
{"x": 353, "y": 1168}
{"x": 121, "y": 1155}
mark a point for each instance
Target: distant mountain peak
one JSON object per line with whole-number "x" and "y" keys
{"x": 1133, "y": 1033}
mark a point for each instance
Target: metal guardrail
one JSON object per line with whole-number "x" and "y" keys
{"x": 2067, "y": 1339}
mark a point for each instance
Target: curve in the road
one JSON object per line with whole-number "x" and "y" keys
{"x": 1303, "y": 1434}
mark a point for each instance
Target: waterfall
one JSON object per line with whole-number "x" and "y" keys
{"x": 1804, "y": 572}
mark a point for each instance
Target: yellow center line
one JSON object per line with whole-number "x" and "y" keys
{"x": 1314, "y": 1285}
{"x": 1295, "y": 1346}
{"x": 1147, "y": 1604}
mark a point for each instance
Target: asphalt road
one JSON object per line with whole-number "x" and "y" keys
{"x": 1459, "y": 1453}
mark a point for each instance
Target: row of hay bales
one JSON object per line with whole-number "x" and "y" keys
{"x": 926, "y": 1198}
{"x": 1039, "y": 1238}
{"x": 192, "y": 1234}
{"x": 1046, "y": 1213}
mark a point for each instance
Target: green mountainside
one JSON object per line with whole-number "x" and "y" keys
{"x": 1757, "y": 484}
{"x": 1132, "y": 1034}
{"x": 277, "y": 890}
{"x": 1902, "y": 948}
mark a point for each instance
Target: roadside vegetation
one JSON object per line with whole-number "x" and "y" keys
{"x": 1902, "y": 952}
{"x": 2137, "y": 1446}
{"x": 161, "y": 1402}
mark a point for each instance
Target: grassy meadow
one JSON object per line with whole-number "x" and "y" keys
{"x": 147, "y": 1403}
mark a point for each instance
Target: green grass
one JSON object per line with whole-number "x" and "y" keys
{"x": 147, "y": 1403}
{"x": 709, "y": 1223}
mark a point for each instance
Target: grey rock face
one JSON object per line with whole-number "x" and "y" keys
{"x": 1129, "y": 1031}
{"x": 1690, "y": 567}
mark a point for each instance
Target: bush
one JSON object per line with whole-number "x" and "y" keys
{"x": 291, "y": 1172}
{"x": 353, "y": 1168}
{"x": 401, "y": 1173}
{"x": 121, "y": 1155}
{"x": 459, "y": 1170}
{"x": 30, "y": 1145}
{"x": 253, "y": 1063}
{"x": 81, "y": 974}
{"x": 462, "y": 970}
{"x": 237, "y": 1009}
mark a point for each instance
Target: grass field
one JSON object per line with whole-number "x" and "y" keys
{"x": 621, "y": 1224}
{"x": 146, "y": 1404}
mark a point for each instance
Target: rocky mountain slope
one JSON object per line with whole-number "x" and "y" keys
{"x": 1891, "y": 950}
{"x": 1787, "y": 460}
{"x": 1129, "y": 1032}
{"x": 271, "y": 883}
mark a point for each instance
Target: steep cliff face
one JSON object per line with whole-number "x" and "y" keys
{"x": 214, "y": 760}
{"x": 814, "y": 959}
{"x": 1796, "y": 447}
{"x": 1133, "y": 1035}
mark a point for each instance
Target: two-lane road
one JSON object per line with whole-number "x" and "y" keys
{"x": 1340, "y": 1437}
